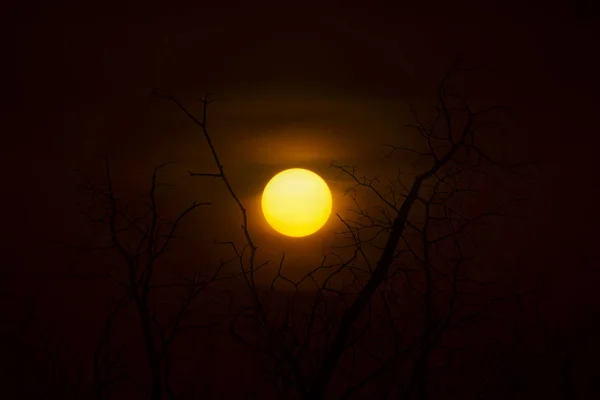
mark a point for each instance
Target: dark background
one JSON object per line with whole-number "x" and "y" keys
{"x": 293, "y": 86}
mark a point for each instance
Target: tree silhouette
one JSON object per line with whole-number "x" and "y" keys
{"x": 403, "y": 256}
{"x": 402, "y": 307}
{"x": 140, "y": 236}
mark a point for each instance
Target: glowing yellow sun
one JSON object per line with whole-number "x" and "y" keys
{"x": 296, "y": 202}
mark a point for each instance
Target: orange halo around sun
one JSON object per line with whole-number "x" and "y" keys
{"x": 296, "y": 202}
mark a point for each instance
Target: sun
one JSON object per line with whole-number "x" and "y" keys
{"x": 296, "y": 202}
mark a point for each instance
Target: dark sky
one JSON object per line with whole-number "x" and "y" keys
{"x": 292, "y": 87}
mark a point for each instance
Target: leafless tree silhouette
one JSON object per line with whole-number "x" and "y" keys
{"x": 402, "y": 307}
{"x": 398, "y": 288}
{"x": 140, "y": 237}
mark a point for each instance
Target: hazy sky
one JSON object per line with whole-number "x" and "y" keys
{"x": 292, "y": 87}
